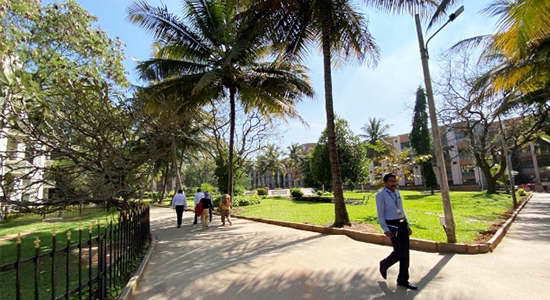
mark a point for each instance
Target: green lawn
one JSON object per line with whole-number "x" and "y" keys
{"x": 474, "y": 212}
{"x": 43, "y": 231}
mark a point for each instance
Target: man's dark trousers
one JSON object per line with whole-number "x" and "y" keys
{"x": 179, "y": 213}
{"x": 400, "y": 250}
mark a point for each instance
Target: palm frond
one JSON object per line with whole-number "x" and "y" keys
{"x": 165, "y": 26}
{"x": 441, "y": 12}
{"x": 522, "y": 24}
{"x": 351, "y": 38}
{"x": 422, "y": 7}
{"x": 159, "y": 69}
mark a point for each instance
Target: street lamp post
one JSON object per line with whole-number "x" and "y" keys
{"x": 442, "y": 172}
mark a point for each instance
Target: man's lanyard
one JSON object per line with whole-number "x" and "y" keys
{"x": 394, "y": 200}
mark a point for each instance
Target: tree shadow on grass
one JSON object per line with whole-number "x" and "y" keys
{"x": 370, "y": 220}
{"x": 415, "y": 197}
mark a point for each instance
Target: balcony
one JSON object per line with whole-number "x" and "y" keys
{"x": 18, "y": 167}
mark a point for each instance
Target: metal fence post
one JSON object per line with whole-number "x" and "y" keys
{"x": 36, "y": 268}
{"x": 54, "y": 246}
{"x": 18, "y": 268}
{"x": 67, "y": 265}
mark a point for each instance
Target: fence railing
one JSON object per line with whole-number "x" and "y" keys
{"x": 90, "y": 268}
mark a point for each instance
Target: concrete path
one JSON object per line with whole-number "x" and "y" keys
{"x": 259, "y": 261}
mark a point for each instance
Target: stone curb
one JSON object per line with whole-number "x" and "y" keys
{"x": 499, "y": 235}
{"x": 415, "y": 244}
{"x": 132, "y": 285}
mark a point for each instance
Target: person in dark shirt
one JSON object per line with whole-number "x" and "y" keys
{"x": 205, "y": 206}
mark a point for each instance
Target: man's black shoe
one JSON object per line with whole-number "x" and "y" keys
{"x": 383, "y": 271}
{"x": 408, "y": 285}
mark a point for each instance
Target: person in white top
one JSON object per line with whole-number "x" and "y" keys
{"x": 179, "y": 203}
{"x": 198, "y": 196}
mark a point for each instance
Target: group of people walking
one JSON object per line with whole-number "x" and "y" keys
{"x": 204, "y": 206}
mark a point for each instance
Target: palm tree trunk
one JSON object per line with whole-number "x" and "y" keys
{"x": 340, "y": 211}
{"x": 176, "y": 166}
{"x": 165, "y": 182}
{"x": 231, "y": 141}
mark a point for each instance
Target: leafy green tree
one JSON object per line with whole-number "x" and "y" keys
{"x": 420, "y": 138}
{"x": 65, "y": 76}
{"x": 209, "y": 54}
{"x": 477, "y": 117}
{"x": 351, "y": 154}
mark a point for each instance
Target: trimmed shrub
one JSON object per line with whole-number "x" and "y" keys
{"x": 208, "y": 187}
{"x": 246, "y": 200}
{"x": 261, "y": 191}
{"x": 238, "y": 190}
{"x": 240, "y": 200}
{"x": 296, "y": 192}
{"x": 521, "y": 192}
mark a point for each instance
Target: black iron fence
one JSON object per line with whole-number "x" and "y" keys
{"x": 94, "y": 266}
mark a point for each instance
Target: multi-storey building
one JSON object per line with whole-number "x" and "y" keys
{"x": 21, "y": 169}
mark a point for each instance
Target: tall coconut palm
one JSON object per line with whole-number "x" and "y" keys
{"x": 294, "y": 155}
{"x": 375, "y": 130}
{"x": 270, "y": 162}
{"x": 375, "y": 133}
{"x": 343, "y": 35}
{"x": 209, "y": 54}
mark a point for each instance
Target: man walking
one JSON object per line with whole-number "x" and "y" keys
{"x": 393, "y": 221}
{"x": 198, "y": 196}
{"x": 179, "y": 203}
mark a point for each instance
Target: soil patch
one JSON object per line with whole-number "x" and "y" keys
{"x": 364, "y": 227}
{"x": 485, "y": 236}
{"x": 14, "y": 235}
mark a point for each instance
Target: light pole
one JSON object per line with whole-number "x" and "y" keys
{"x": 447, "y": 208}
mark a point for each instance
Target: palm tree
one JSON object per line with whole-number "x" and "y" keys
{"x": 375, "y": 133}
{"x": 209, "y": 54}
{"x": 343, "y": 34}
{"x": 270, "y": 162}
{"x": 294, "y": 155}
{"x": 520, "y": 49}
{"x": 375, "y": 130}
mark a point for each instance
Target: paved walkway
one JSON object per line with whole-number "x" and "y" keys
{"x": 259, "y": 261}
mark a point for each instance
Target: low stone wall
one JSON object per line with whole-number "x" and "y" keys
{"x": 415, "y": 244}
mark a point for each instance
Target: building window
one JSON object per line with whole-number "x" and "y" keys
{"x": 11, "y": 148}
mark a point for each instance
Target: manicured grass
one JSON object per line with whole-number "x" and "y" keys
{"x": 474, "y": 212}
{"x": 43, "y": 231}
{"x": 357, "y": 196}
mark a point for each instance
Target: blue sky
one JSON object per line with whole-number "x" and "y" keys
{"x": 386, "y": 91}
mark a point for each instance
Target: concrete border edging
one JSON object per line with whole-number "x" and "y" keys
{"x": 415, "y": 244}
{"x": 501, "y": 232}
{"x": 134, "y": 281}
